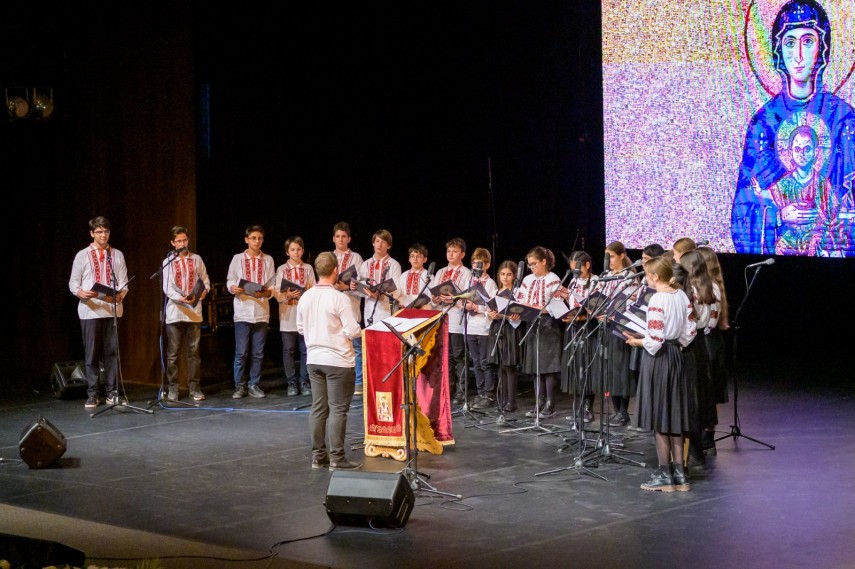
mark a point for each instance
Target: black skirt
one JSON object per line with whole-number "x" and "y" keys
{"x": 508, "y": 350}
{"x": 702, "y": 410}
{"x": 662, "y": 398}
{"x": 576, "y": 376}
{"x": 618, "y": 380}
{"x": 718, "y": 364}
{"x": 542, "y": 348}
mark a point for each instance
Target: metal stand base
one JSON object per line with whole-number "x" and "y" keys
{"x": 578, "y": 466}
{"x": 418, "y": 482}
{"x": 121, "y": 407}
{"x": 735, "y": 433}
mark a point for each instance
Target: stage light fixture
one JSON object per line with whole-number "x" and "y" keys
{"x": 18, "y": 103}
{"x": 42, "y": 104}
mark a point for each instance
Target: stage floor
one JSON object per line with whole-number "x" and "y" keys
{"x": 229, "y": 484}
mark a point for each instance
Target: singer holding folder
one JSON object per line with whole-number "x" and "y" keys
{"x": 414, "y": 281}
{"x": 374, "y": 272}
{"x": 542, "y": 351}
{"x": 251, "y": 272}
{"x": 185, "y": 283}
{"x": 99, "y": 264}
{"x": 460, "y": 276}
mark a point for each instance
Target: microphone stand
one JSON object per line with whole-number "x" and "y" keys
{"x": 465, "y": 410}
{"x": 159, "y": 399}
{"x": 604, "y": 444}
{"x": 121, "y": 400}
{"x": 380, "y": 293}
{"x": 735, "y": 431}
{"x": 503, "y": 321}
{"x": 580, "y": 461}
{"x": 536, "y": 328}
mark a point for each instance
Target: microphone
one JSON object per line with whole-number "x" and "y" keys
{"x": 636, "y": 264}
{"x": 574, "y": 272}
{"x": 606, "y": 262}
{"x": 769, "y": 261}
{"x": 702, "y": 242}
{"x": 181, "y": 250}
{"x": 596, "y": 279}
{"x": 477, "y": 269}
{"x": 463, "y": 295}
{"x": 431, "y": 269}
{"x": 520, "y": 271}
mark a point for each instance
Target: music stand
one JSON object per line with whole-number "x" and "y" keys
{"x": 735, "y": 430}
{"x": 417, "y": 480}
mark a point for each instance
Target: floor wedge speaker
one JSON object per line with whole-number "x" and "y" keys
{"x": 68, "y": 380}
{"x": 374, "y": 499}
{"x": 41, "y": 444}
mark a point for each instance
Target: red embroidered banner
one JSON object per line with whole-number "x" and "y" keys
{"x": 383, "y": 400}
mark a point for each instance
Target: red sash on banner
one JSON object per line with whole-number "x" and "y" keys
{"x": 384, "y": 416}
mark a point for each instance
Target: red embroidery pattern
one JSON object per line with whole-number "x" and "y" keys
{"x": 345, "y": 262}
{"x": 451, "y": 274}
{"x": 414, "y": 282}
{"x": 296, "y": 274}
{"x": 96, "y": 260}
{"x": 655, "y": 325}
{"x": 376, "y": 268}
{"x": 253, "y": 265}
{"x": 184, "y": 280}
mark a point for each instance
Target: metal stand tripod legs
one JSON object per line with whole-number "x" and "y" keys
{"x": 735, "y": 431}
{"x": 417, "y": 480}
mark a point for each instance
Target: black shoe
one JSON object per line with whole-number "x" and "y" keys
{"x": 345, "y": 464}
{"x": 115, "y": 399}
{"x": 92, "y": 402}
{"x": 509, "y": 408}
{"x": 321, "y": 463}
{"x": 240, "y": 392}
{"x": 305, "y": 389}
{"x": 619, "y": 420}
{"x": 547, "y": 411}
{"x": 660, "y": 481}
{"x": 172, "y": 395}
{"x": 293, "y": 389}
{"x": 459, "y": 399}
{"x": 484, "y": 403}
{"x": 708, "y": 440}
{"x": 681, "y": 481}
{"x": 255, "y": 391}
{"x": 588, "y": 415}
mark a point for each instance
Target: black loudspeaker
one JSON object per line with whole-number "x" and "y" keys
{"x": 41, "y": 444}
{"x": 68, "y": 380}
{"x": 30, "y": 552}
{"x": 375, "y": 499}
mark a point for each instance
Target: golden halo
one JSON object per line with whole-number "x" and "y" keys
{"x": 757, "y": 47}
{"x": 801, "y": 118}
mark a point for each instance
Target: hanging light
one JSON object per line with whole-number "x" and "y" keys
{"x": 42, "y": 104}
{"x": 18, "y": 103}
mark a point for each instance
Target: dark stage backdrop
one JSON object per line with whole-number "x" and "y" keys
{"x": 381, "y": 115}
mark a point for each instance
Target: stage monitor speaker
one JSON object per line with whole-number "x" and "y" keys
{"x": 374, "y": 499}
{"x": 30, "y": 552}
{"x": 41, "y": 444}
{"x": 68, "y": 380}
